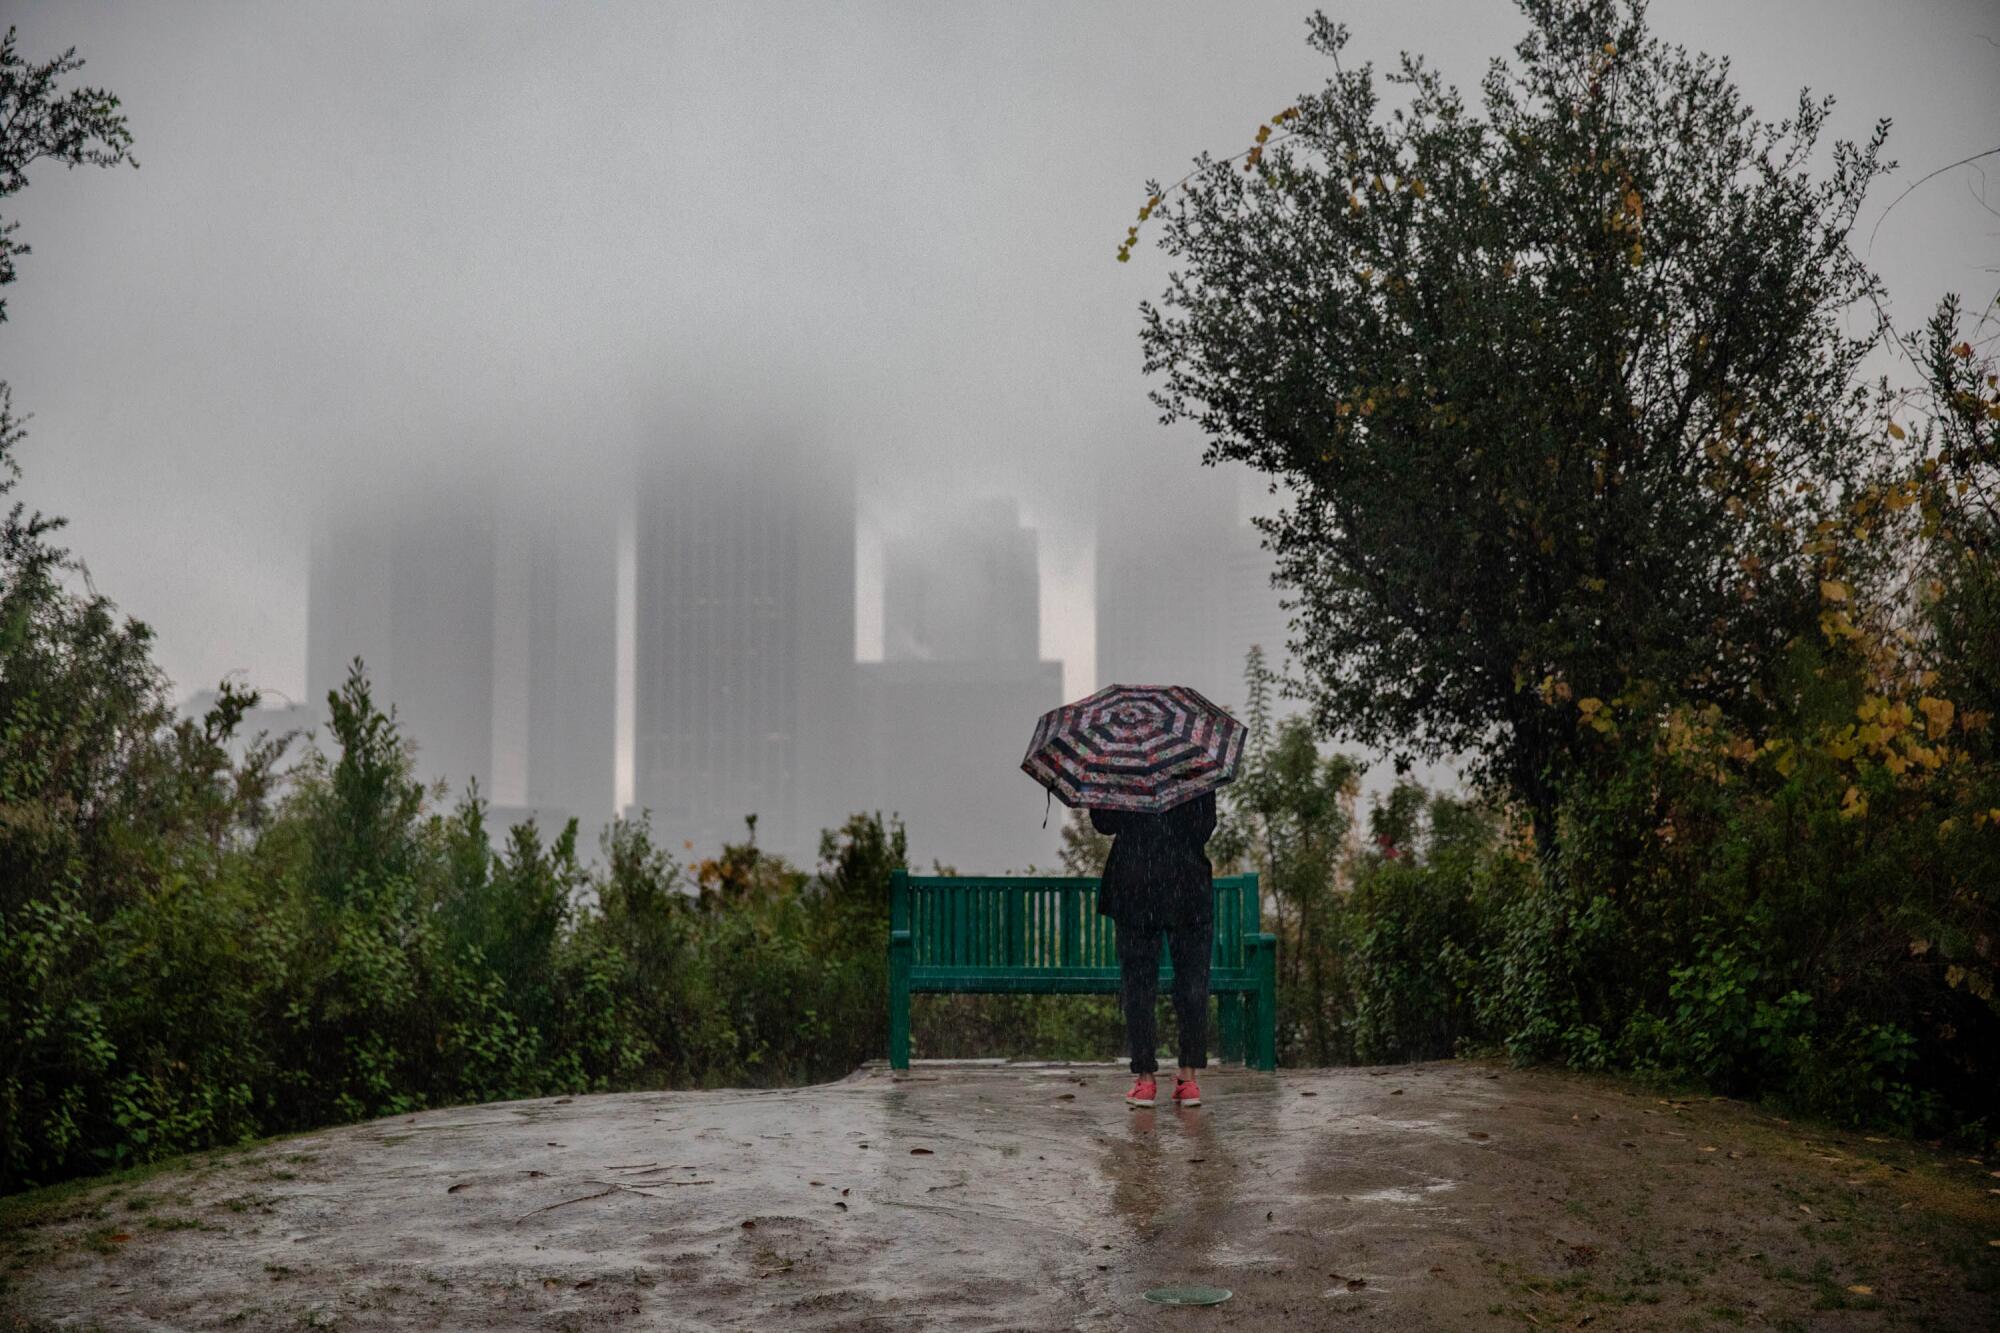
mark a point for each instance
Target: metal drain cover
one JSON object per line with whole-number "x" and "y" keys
{"x": 1188, "y": 1295}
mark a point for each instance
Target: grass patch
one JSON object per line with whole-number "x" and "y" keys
{"x": 104, "y": 1240}
{"x": 172, "y": 1222}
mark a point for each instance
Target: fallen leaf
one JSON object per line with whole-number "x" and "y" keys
{"x": 1268, "y": 1214}
{"x": 549, "y": 1284}
{"x": 1862, "y": 1289}
{"x": 1710, "y": 1147}
{"x": 587, "y": 1282}
{"x": 843, "y": 1192}
{"x": 1735, "y": 1154}
{"x": 1197, "y": 1159}
{"x": 920, "y": 1152}
{"x": 1627, "y": 1143}
{"x": 459, "y": 1186}
{"x": 749, "y": 1225}
{"x": 122, "y": 1236}
{"x": 815, "y": 1182}
{"x": 838, "y": 1204}
{"x": 1308, "y": 1094}
{"x": 1478, "y": 1134}
{"x": 1805, "y": 1210}
{"x": 1396, "y": 1092}
{"x": 1066, "y": 1097}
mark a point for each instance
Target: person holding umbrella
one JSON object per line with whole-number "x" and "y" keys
{"x": 1146, "y": 760}
{"x": 1158, "y": 879}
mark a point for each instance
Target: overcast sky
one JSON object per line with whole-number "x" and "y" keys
{"x": 373, "y": 237}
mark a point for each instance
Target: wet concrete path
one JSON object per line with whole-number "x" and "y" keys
{"x": 991, "y": 1196}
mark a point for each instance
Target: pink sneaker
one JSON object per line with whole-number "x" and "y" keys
{"x": 1186, "y": 1092}
{"x": 1143, "y": 1088}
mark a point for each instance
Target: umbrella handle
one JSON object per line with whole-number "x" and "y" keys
{"x": 1047, "y": 796}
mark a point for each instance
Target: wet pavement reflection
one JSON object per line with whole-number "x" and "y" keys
{"x": 956, "y": 1196}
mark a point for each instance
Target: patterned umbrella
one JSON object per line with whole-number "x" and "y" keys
{"x": 1135, "y": 747}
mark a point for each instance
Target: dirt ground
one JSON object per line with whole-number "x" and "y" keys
{"x": 994, "y": 1196}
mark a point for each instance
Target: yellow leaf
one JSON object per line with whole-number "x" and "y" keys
{"x": 1953, "y": 975}
{"x": 1611, "y": 48}
{"x": 1833, "y": 590}
{"x": 1862, "y": 1289}
{"x": 1589, "y": 705}
{"x": 1895, "y": 430}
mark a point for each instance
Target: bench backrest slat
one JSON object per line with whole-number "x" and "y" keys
{"x": 1022, "y": 923}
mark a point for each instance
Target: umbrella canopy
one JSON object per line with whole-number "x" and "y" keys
{"x": 1135, "y": 747}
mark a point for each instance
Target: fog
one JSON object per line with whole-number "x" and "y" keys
{"x": 378, "y": 247}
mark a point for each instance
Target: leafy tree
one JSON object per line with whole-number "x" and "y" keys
{"x": 80, "y": 127}
{"x": 1559, "y": 388}
{"x": 1289, "y": 821}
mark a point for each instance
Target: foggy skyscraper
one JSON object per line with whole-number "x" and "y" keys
{"x": 965, "y": 588}
{"x": 555, "y": 709}
{"x": 947, "y": 715}
{"x": 744, "y": 643}
{"x": 406, "y": 582}
{"x": 1183, "y": 590}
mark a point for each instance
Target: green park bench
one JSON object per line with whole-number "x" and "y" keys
{"x": 1042, "y": 936}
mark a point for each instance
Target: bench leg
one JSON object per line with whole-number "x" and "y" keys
{"x": 899, "y": 1000}
{"x": 1229, "y": 1024}
{"x": 1264, "y": 1035}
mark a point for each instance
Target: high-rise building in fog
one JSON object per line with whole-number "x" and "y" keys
{"x": 406, "y": 583}
{"x": 1183, "y": 590}
{"x": 486, "y": 617}
{"x": 966, "y": 588}
{"x": 947, "y": 716}
{"x": 744, "y": 629}
{"x": 555, "y": 663}
{"x": 943, "y": 742}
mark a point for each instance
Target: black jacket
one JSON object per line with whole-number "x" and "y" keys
{"x": 1158, "y": 870}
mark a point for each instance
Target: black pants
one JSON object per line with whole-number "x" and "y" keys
{"x": 1189, "y": 944}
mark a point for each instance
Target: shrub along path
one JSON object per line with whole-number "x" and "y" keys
{"x": 1445, "y": 1195}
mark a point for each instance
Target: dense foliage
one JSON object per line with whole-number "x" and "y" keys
{"x": 1541, "y": 380}
{"x": 186, "y": 962}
